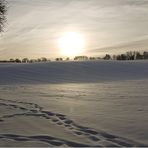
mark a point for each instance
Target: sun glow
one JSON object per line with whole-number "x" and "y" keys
{"x": 71, "y": 44}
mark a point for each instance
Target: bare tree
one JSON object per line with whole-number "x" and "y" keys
{"x": 25, "y": 60}
{"x": 2, "y": 14}
{"x": 107, "y": 57}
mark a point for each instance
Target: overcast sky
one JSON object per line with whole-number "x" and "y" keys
{"x": 34, "y": 26}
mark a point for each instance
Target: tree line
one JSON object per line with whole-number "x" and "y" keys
{"x": 25, "y": 60}
{"x": 131, "y": 55}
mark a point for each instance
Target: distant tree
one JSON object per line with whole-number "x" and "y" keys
{"x": 81, "y": 58}
{"x": 131, "y": 55}
{"x": 2, "y": 14}
{"x": 107, "y": 57}
{"x": 32, "y": 60}
{"x": 139, "y": 56}
{"x": 145, "y": 55}
{"x": 17, "y": 60}
{"x": 92, "y": 58}
{"x": 25, "y": 60}
{"x": 118, "y": 57}
{"x": 114, "y": 57}
{"x": 59, "y": 59}
{"x": 43, "y": 59}
{"x": 98, "y": 58}
{"x": 123, "y": 57}
{"x": 12, "y": 60}
{"x": 67, "y": 59}
{"x": 39, "y": 60}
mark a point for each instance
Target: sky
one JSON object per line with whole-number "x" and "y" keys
{"x": 34, "y": 27}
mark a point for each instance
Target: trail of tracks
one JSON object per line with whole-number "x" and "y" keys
{"x": 97, "y": 138}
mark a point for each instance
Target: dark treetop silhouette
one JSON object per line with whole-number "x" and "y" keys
{"x": 2, "y": 13}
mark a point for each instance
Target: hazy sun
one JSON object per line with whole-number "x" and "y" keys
{"x": 71, "y": 44}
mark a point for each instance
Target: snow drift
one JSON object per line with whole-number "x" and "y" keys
{"x": 72, "y": 72}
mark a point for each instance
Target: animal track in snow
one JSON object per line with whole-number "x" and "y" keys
{"x": 97, "y": 138}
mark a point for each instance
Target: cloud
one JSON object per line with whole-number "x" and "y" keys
{"x": 34, "y": 26}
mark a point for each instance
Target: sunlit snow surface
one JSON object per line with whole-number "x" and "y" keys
{"x": 100, "y": 103}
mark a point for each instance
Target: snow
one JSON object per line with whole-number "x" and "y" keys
{"x": 72, "y": 72}
{"x": 94, "y": 103}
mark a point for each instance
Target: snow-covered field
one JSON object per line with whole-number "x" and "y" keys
{"x": 96, "y": 103}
